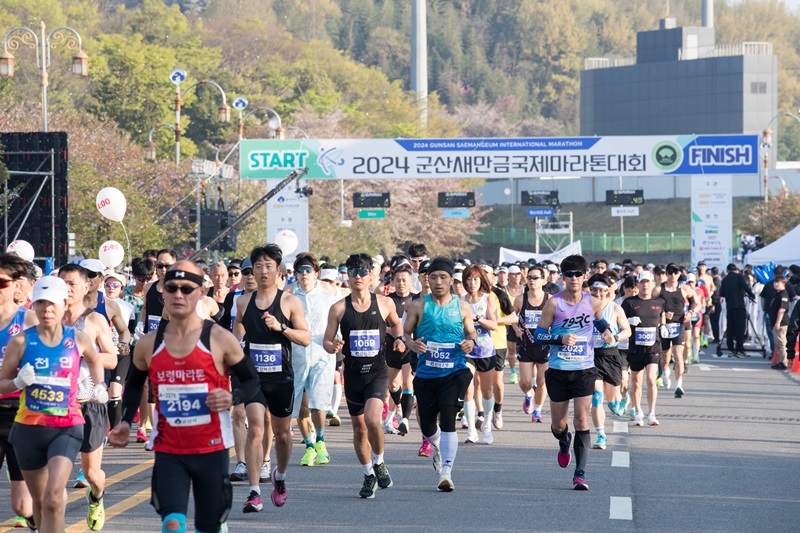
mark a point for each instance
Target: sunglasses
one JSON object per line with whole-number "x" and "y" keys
{"x": 235, "y": 273}
{"x": 572, "y": 274}
{"x": 185, "y": 289}
{"x": 673, "y": 272}
{"x": 353, "y": 272}
{"x": 142, "y": 279}
{"x": 163, "y": 265}
{"x": 247, "y": 272}
{"x": 113, "y": 285}
{"x": 5, "y": 283}
{"x": 418, "y": 260}
{"x": 92, "y": 275}
{"x": 534, "y": 278}
{"x": 304, "y": 270}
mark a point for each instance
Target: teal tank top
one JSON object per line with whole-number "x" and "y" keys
{"x": 442, "y": 329}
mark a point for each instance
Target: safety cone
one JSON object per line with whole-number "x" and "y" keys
{"x": 795, "y": 366}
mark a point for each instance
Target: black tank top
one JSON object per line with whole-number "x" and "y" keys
{"x": 270, "y": 351}
{"x": 673, "y": 302}
{"x": 363, "y": 335}
{"x": 154, "y": 307}
{"x": 399, "y": 302}
{"x": 527, "y": 323}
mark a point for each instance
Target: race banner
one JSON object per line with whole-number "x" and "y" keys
{"x": 507, "y": 255}
{"x": 497, "y": 158}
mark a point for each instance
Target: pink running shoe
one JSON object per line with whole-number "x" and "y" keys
{"x": 579, "y": 484}
{"x": 563, "y": 451}
{"x": 385, "y": 411}
{"x": 526, "y": 405}
{"x": 426, "y": 449}
{"x": 278, "y": 495}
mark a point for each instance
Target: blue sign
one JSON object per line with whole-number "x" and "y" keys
{"x": 456, "y": 213}
{"x": 540, "y": 212}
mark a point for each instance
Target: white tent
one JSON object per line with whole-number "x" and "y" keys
{"x": 785, "y": 251}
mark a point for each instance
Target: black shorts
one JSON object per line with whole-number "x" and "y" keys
{"x": 396, "y": 360}
{"x": 206, "y": 474}
{"x": 502, "y": 355}
{"x": 486, "y": 364}
{"x": 7, "y": 455}
{"x": 564, "y": 385}
{"x": 533, "y": 354}
{"x": 435, "y": 394}
{"x": 511, "y": 336}
{"x": 358, "y": 388}
{"x": 95, "y": 425}
{"x": 609, "y": 365}
{"x": 277, "y": 397}
{"x": 120, "y": 372}
{"x": 680, "y": 340}
{"x": 36, "y": 445}
{"x": 637, "y": 362}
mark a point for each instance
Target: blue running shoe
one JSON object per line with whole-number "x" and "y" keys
{"x": 526, "y": 405}
{"x": 80, "y": 481}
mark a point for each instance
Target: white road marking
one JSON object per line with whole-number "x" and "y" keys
{"x": 620, "y": 427}
{"x": 705, "y": 368}
{"x": 745, "y": 369}
{"x": 621, "y": 508}
{"x": 621, "y": 459}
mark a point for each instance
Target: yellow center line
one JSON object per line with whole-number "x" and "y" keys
{"x": 126, "y": 504}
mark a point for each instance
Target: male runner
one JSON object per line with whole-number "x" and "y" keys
{"x": 401, "y": 364}
{"x": 270, "y": 320}
{"x": 675, "y": 297}
{"x": 363, "y": 318}
{"x": 187, "y": 361}
{"x": 566, "y": 324}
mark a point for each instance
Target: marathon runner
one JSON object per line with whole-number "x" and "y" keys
{"x": 673, "y": 344}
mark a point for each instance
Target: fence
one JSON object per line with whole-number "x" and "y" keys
{"x": 592, "y": 241}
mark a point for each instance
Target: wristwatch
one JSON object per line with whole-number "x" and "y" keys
{"x": 401, "y": 338}
{"x": 283, "y": 328}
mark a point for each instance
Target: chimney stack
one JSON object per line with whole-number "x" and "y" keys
{"x": 708, "y": 13}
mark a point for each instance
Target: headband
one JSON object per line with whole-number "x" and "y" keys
{"x": 599, "y": 285}
{"x": 440, "y": 265}
{"x": 305, "y": 261}
{"x": 184, "y": 274}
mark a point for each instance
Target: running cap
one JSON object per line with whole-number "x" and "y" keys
{"x": 458, "y": 277}
{"x": 514, "y": 269}
{"x": 117, "y": 276}
{"x": 552, "y": 268}
{"x": 701, "y": 263}
{"x": 487, "y": 269}
{"x": 50, "y": 288}
{"x": 93, "y": 265}
{"x": 328, "y": 274}
{"x": 645, "y": 274}
{"x": 246, "y": 263}
{"x": 378, "y": 259}
{"x": 423, "y": 267}
{"x": 690, "y": 278}
{"x": 502, "y": 269}
{"x": 234, "y": 263}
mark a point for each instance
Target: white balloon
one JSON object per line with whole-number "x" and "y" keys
{"x": 112, "y": 204}
{"x": 287, "y": 240}
{"x": 22, "y": 248}
{"x": 111, "y": 254}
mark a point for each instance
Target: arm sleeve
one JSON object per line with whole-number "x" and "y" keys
{"x": 245, "y": 372}
{"x": 541, "y": 336}
{"x": 132, "y": 395}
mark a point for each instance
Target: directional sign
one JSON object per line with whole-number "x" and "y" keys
{"x": 177, "y": 76}
{"x": 456, "y": 213}
{"x": 540, "y": 212}
{"x": 625, "y": 211}
{"x": 240, "y": 103}
{"x": 372, "y": 213}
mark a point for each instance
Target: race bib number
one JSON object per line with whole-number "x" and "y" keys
{"x": 673, "y": 329}
{"x": 152, "y": 322}
{"x": 268, "y": 358}
{"x": 48, "y": 395}
{"x": 184, "y": 405}
{"x": 645, "y": 336}
{"x": 440, "y": 354}
{"x": 365, "y": 342}
{"x": 532, "y": 318}
{"x": 576, "y": 352}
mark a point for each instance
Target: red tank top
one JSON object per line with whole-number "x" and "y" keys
{"x": 184, "y": 423}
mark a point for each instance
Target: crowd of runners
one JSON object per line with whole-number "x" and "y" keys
{"x": 241, "y": 354}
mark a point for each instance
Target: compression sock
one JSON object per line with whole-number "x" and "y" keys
{"x": 336, "y": 399}
{"x": 498, "y": 407}
{"x": 395, "y": 395}
{"x": 407, "y": 403}
{"x": 562, "y": 437}
{"x": 435, "y": 438}
{"x": 320, "y": 434}
{"x": 174, "y": 523}
{"x": 488, "y": 406}
{"x": 581, "y": 447}
{"x": 114, "y": 411}
{"x": 469, "y": 412}
{"x": 309, "y": 441}
{"x": 448, "y": 450}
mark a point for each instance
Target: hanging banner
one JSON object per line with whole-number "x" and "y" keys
{"x": 712, "y": 220}
{"x": 507, "y": 255}
{"x": 288, "y": 211}
{"x": 496, "y": 158}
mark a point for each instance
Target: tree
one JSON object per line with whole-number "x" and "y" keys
{"x": 774, "y": 219}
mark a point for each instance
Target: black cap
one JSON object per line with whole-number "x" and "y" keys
{"x": 732, "y": 267}
{"x": 423, "y": 267}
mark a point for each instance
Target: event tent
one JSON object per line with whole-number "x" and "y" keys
{"x": 785, "y": 251}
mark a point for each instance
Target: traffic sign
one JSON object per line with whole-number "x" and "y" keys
{"x": 372, "y": 213}
{"x": 625, "y": 211}
{"x": 541, "y": 212}
{"x": 177, "y": 76}
{"x": 240, "y": 103}
{"x": 456, "y": 213}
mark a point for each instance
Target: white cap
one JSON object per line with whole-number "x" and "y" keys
{"x": 514, "y": 269}
{"x": 117, "y": 276}
{"x": 645, "y": 274}
{"x": 502, "y": 269}
{"x": 459, "y": 267}
{"x": 328, "y": 274}
{"x": 458, "y": 276}
{"x": 690, "y": 278}
{"x": 552, "y": 268}
{"x": 378, "y": 259}
{"x": 93, "y": 265}
{"x": 487, "y": 269}
{"x": 50, "y": 288}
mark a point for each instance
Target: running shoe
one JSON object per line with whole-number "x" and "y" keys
{"x": 445, "y": 484}
{"x": 136, "y": 418}
{"x": 80, "y": 481}
{"x": 323, "y": 457}
{"x": 639, "y": 420}
{"x": 667, "y": 382}
{"x": 436, "y": 459}
{"x": 659, "y": 382}
{"x": 20, "y": 522}
{"x": 623, "y": 404}
{"x": 309, "y": 458}
{"x": 253, "y": 503}
{"x": 472, "y": 436}
{"x": 514, "y": 378}
{"x": 679, "y": 392}
{"x": 239, "y": 472}
{"x": 536, "y": 416}
{"x": 526, "y": 404}
{"x": 479, "y": 422}
{"x": 651, "y": 419}
{"x": 402, "y": 428}
{"x": 425, "y": 449}
{"x": 497, "y": 420}
{"x": 488, "y": 437}
{"x": 368, "y": 488}
{"x": 464, "y": 424}
{"x": 335, "y": 420}
{"x": 633, "y": 413}
{"x": 385, "y": 411}
{"x": 388, "y": 427}
{"x": 96, "y": 515}
{"x": 579, "y": 484}
{"x": 141, "y": 436}
{"x": 563, "y": 451}
{"x": 278, "y": 495}
{"x": 263, "y": 477}
{"x": 148, "y": 425}
{"x": 601, "y": 443}
{"x": 696, "y": 358}
{"x": 382, "y": 473}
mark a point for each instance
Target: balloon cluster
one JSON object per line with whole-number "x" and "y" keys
{"x": 763, "y": 273}
{"x": 112, "y": 204}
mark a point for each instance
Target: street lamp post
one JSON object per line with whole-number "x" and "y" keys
{"x": 150, "y": 145}
{"x": 275, "y": 123}
{"x": 80, "y": 61}
{"x": 178, "y": 76}
{"x": 766, "y": 147}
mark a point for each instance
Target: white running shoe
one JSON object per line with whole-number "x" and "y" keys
{"x": 667, "y": 382}
{"x": 497, "y": 421}
{"x": 488, "y": 438}
{"x": 639, "y": 420}
{"x": 472, "y": 436}
{"x": 651, "y": 419}
{"x": 445, "y": 483}
{"x": 266, "y": 472}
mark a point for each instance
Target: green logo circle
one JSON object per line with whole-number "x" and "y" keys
{"x": 667, "y": 155}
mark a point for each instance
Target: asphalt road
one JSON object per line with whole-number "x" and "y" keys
{"x": 725, "y": 458}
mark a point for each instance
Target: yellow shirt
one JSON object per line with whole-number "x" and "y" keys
{"x": 499, "y": 335}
